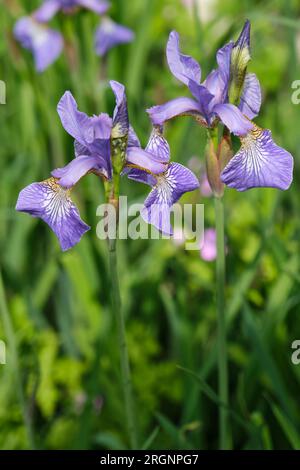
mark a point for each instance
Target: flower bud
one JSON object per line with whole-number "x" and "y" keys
{"x": 240, "y": 56}
{"x": 213, "y": 170}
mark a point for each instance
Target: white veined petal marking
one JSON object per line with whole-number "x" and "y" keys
{"x": 166, "y": 183}
{"x": 158, "y": 145}
{"x": 251, "y": 144}
{"x": 57, "y": 202}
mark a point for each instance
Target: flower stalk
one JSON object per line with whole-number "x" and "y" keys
{"x": 220, "y": 300}
{"x": 124, "y": 360}
{"x": 113, "y": 198}
{"x": 214, "y": 156}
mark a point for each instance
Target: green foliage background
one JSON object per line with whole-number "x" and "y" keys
{"x": 60, "y": 388}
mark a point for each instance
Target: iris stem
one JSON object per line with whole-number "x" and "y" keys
{"x": 13, "y": 363}
{"x": 125, "y": 368}
{"x": 222, "y": 349}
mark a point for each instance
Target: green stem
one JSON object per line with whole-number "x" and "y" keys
{"x": 14, "y": 363}
{"x": 125, "y": 368}
{"x": 222, "y": 350}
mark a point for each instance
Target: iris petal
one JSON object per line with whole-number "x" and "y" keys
{"x": 170, "y": 186}
{"x": 47, "y": 10}
{"x": 133, "y": 140}
{"x": 45, "y": 43}
{"x": 204, "y": 98}
{"x": 78, "y": 167}
{"x": 76, "y": 123}
{"x": 140, "y": 176}
{"x": 251, "y": 96}
{"x": 223, "y": 61}
{"x": 232, "y": 117}
{"x": 50, "y": 202}
{"x": 145, "y": 160}
{"x": 182, "y": 66}
{"x": 158, "y": 145}
{"x": 109, "y": 34}
{"x": 177, "y": 107}
{"x": 120, "y": 118}
{"x": 259, "y": 163}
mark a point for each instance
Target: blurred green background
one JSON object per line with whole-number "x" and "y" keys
{"x": 60, "y": 388}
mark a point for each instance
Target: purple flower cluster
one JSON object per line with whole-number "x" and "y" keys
{"x": 46, "y": 44}
{"x": 95, "y": 139}
{"x": 259, "y": 162}
{"x": 109, "y": 146}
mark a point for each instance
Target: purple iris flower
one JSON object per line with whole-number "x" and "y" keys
{"x": 167, "y": 186}
{"x": 259, "y": 162}
{"x": 94, "y": 138}
{"x": 109, "y": 34}
{"x": 45, "y": 43}
{"x": 50, "y": 7}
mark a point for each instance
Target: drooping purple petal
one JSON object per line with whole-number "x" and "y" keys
{"x": 182, "y": 66}
{"x": 232, "y": 117}
{"x": 177, "y": 107}
{"x": 47, "y": 10}
{"x": 251, "y": 96}
{"x": 70, "y": 174}
{"x": 49, "y": 201}
{"x": 109, "y": 34}
{"x": 98, "y": 6}
{"x": 76, "y": 123}
{"x": 145, "y": 160}
{"x": 120, "y": 126}
{"x": 259, "y": 163}
{"x": 158, "y": 145}
{"x": 46, "y": 44}
{"x": 169, "y": 187}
